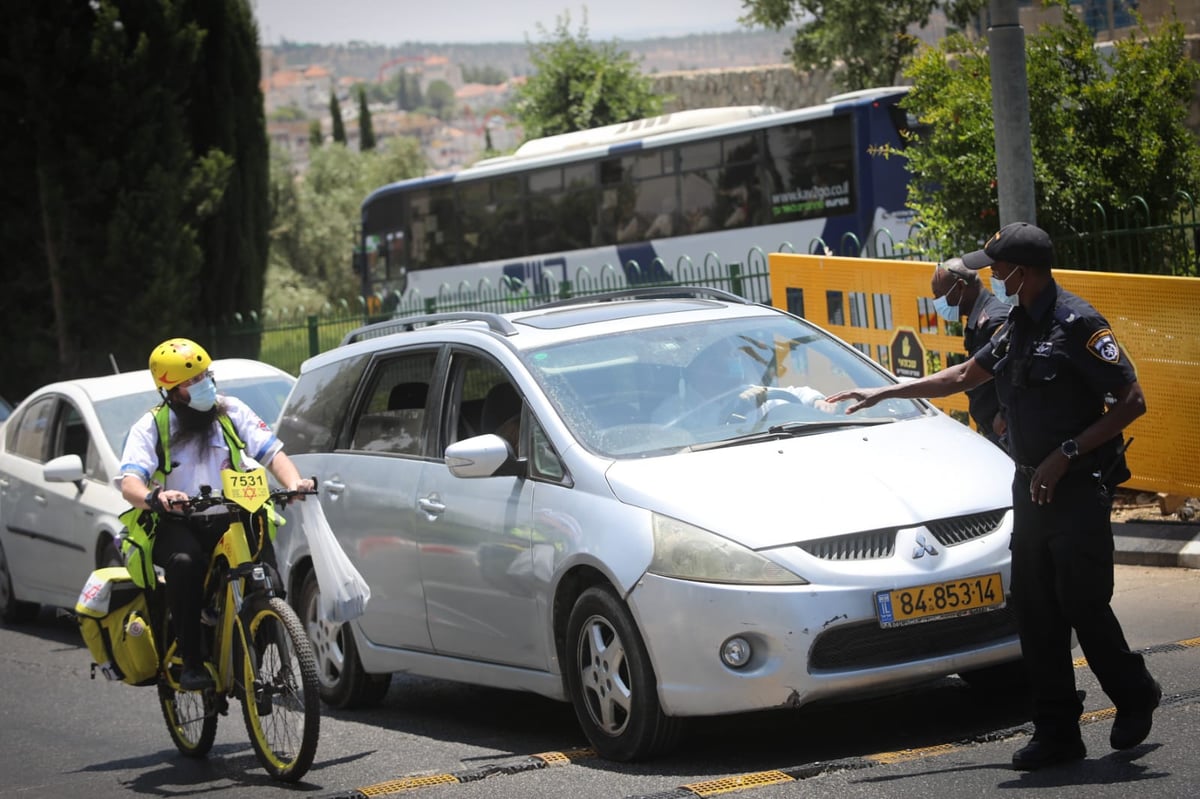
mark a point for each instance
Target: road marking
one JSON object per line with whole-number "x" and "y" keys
{"x": 745, "y": 782}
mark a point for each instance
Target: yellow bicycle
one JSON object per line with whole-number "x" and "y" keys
{"x": 257, "y": 650}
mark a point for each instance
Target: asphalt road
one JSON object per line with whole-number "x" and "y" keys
{"x": 62, "y": 734}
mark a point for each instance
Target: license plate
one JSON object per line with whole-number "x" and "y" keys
{"x": 939, "y": 600}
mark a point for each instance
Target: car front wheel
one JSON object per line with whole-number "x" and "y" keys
{"x": 611, "y": 682}
{"x": 343, "y": 683}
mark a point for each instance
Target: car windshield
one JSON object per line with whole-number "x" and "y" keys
{"x": 264, "y": 395}
{"x": 662, "y": 389}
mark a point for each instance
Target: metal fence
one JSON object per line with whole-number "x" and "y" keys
{"x": 1128, "y": 239}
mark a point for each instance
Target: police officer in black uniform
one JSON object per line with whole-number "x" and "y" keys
{"x": 958, "y": 292}
{"x": 1069, "y": 391}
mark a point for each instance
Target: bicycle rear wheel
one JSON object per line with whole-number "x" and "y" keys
{"x": 281, "y": 702}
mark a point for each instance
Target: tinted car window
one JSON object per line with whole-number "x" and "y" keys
{"x": 29, "y": 434}
{"x": 317, "y": 406}
{"x": 393, "y": 418}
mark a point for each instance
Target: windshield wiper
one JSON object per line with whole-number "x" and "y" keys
{"x": 800, "y": 428}
{"x": 789, "y": 430}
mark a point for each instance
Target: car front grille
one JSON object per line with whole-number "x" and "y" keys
{"x": 876, "y": 544}
{"x": 866, "y": 645}
{"x": 867, "y": 545}
{"x": 959, "y": 529}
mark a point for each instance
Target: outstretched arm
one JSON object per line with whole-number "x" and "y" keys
{"x": 949, "y": 381}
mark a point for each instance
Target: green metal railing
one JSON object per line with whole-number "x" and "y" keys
{"x": 1129, "y": 239}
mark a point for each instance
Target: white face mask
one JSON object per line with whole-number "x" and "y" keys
{"x": 203, "y": 395}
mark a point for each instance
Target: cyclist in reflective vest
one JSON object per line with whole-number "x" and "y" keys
{"x": 170, "y": 452}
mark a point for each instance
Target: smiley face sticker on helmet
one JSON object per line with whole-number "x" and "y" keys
{"x": 1103, "y": 344}
{"x": 177, "y": 360}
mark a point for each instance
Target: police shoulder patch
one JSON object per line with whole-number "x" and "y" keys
{"x": 1103, "y": 344}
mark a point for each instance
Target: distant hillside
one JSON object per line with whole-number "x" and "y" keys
{"x": 665, "y": 54}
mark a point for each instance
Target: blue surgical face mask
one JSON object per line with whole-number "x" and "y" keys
{"x": 203, "y": 395}
{"x": 1000, "y": 289}
{"x": 946, "y": 310}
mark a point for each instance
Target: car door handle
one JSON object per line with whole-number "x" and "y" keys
{"x": 334, "y": 486}
{"x": 432, "y": 505}
{"x": 39, "y": 499}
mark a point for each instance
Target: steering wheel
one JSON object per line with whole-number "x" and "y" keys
{"x": 740, "y": 408}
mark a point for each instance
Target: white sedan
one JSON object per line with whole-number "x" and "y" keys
{"x": 58, "y": 454}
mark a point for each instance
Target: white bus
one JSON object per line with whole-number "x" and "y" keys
{"x": 648, "y": 201}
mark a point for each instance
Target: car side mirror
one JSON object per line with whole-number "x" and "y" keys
{"x": 64, "y": 469}
{"x": 487, "y": 455}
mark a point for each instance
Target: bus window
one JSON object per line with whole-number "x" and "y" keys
{"x": 698, "y": 164}
{"x": 432, "y": 227}
{"x": 811, "y": 169}
{"x": 739, "y": 195}
{"x": 490, "y": 215}
{"x": 618, "y": 202}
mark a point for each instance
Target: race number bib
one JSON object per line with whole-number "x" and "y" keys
{"x": 248, "y": 489}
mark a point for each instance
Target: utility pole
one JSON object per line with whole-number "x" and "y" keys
{"x": 1010, "y": 113}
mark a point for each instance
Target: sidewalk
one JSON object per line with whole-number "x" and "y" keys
{"x": 1154, "y": 543}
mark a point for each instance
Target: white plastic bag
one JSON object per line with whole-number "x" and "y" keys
{"x": 344, "y": 592}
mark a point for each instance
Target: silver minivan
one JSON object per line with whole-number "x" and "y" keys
{"x": 641, "y": 503}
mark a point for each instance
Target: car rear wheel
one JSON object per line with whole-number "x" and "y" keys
{"x": 13, "y": 610}
{"x": 611, "y": 682}
{"x": 343, "y": 682}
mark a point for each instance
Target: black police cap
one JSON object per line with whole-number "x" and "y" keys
{"x": 1018, "y": 243}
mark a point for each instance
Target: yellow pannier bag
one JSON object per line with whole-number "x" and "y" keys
{"x": 114, "y": 621}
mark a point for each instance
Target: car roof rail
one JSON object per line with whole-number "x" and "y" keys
{"x": 651, "y": 293}
{"x": 495, "y": 322}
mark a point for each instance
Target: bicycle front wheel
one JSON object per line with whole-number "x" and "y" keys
{"x": 281, "y": 702}
{"x": 190, "y": 715}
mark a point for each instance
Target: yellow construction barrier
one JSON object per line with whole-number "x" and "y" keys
{"x": 885, "y": 309}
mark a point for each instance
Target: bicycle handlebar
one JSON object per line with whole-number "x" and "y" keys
{"x": 207, "y": 499}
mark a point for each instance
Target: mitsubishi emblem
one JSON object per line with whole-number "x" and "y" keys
{"x": 923, "y": 548}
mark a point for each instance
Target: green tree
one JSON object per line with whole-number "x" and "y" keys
{"x": 864, "y": 43}
{"x": 1103, "y": 129}
{"x": 335, "y": 114}
{"x": 315, "y": 217}
{"x": 578, "y": 85}
{"x": 366, "y": 133}
{"x": 225, "y": 106}
{"x": 99, "y": 230}
{"x": 315, "y": 137}
{"x": 440, "y": 96}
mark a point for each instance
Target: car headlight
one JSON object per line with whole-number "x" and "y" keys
{"x": 688, "y": 552}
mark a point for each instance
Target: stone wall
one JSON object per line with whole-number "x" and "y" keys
{"x": 783, "y": 86}
{"x": 779, "y": 85}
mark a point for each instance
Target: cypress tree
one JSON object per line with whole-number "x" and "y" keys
{"x": 229, "y": 126}
{"x": 366, "y": 133}
{"x": 335, "y": 112}
{"x": 315, "y": 137}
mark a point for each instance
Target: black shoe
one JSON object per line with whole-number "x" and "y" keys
{"x": 1042, "y": 752}
{"x": 1132, "y": 726}
{"x": 195, "y": 678}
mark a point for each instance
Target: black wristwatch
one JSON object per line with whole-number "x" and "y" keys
{"x": 1070, "y": 448}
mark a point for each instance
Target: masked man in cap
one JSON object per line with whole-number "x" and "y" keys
{"x": 958, "y": 292}
{"x": 1069, "y": 391}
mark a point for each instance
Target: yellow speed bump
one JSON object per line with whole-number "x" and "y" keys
{"x": 407, "y": 784}
{"x": 741, "y": 782}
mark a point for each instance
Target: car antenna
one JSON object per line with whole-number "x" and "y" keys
{"x": 113, "y": 361}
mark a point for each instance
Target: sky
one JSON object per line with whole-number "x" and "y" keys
{"x": 445, "y": 21}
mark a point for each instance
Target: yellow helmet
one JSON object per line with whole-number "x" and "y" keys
{"x": 177, "y": 360}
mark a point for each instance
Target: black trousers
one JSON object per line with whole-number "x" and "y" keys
{"x": 183, "y": 548}
{"x": 1062, "y": 578}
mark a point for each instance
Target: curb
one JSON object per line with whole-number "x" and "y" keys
{"x": 1154, "y": 543}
